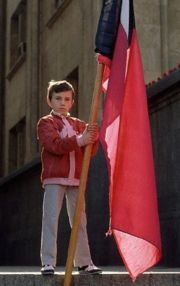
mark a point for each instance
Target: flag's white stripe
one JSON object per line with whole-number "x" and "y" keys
{"x": 125, "y": 16}
{"x": 105, "y": 84}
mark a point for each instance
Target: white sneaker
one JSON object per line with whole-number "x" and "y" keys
{"x": 89, "y": 269}
{"x": 47, "y": 270}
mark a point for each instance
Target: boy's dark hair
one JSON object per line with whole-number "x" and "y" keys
{"x": 59, "y": 86}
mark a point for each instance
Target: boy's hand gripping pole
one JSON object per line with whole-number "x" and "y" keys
{"x": 83, "y": 178}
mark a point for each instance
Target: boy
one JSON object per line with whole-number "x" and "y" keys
{"x": 63, "y": 138}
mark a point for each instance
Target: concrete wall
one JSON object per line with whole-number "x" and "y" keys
{"x": 21, "y": 203}
{"x": 164, "y": 106}
{"x": 158, "y": 25}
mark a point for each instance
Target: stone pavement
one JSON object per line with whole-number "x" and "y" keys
{"x": 111, "y": 276}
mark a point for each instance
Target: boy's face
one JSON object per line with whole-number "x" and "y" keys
{"x": 62, "y": 102}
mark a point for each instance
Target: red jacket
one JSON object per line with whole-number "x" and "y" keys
{"x": 55, "y": 150}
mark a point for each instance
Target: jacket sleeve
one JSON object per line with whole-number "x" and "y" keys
{"x": 51, "y": 141}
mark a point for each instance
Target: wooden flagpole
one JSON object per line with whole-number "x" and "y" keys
{"x": 83, "y": 178}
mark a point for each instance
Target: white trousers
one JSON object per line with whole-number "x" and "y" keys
{"x": 52, "y": 204}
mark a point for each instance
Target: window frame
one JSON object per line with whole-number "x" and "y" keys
{"x": 18, "y": 36}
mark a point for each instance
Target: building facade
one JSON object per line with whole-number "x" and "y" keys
{"x": 44, "y": 40}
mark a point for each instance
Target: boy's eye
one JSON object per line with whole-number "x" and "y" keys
{"x": 65, "y": 99}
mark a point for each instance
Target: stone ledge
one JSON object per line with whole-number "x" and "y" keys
{"x": 108, "y": 278}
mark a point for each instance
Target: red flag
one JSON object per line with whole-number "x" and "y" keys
{"x": 126, "y": 140}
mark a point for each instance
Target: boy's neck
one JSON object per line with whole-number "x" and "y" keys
{"x": 60, "y": 114}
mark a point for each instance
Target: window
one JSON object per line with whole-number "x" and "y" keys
{"x": 58, "y": 7}
{"x": 74, "y": 80}
{"x": 18, "y": 34}
{"x": 17, "y": 145}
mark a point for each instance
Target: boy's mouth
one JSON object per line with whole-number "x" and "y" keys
{"x": 63, "y": 110}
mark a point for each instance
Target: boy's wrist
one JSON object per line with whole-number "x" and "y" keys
{"x": 80, "y": 140}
